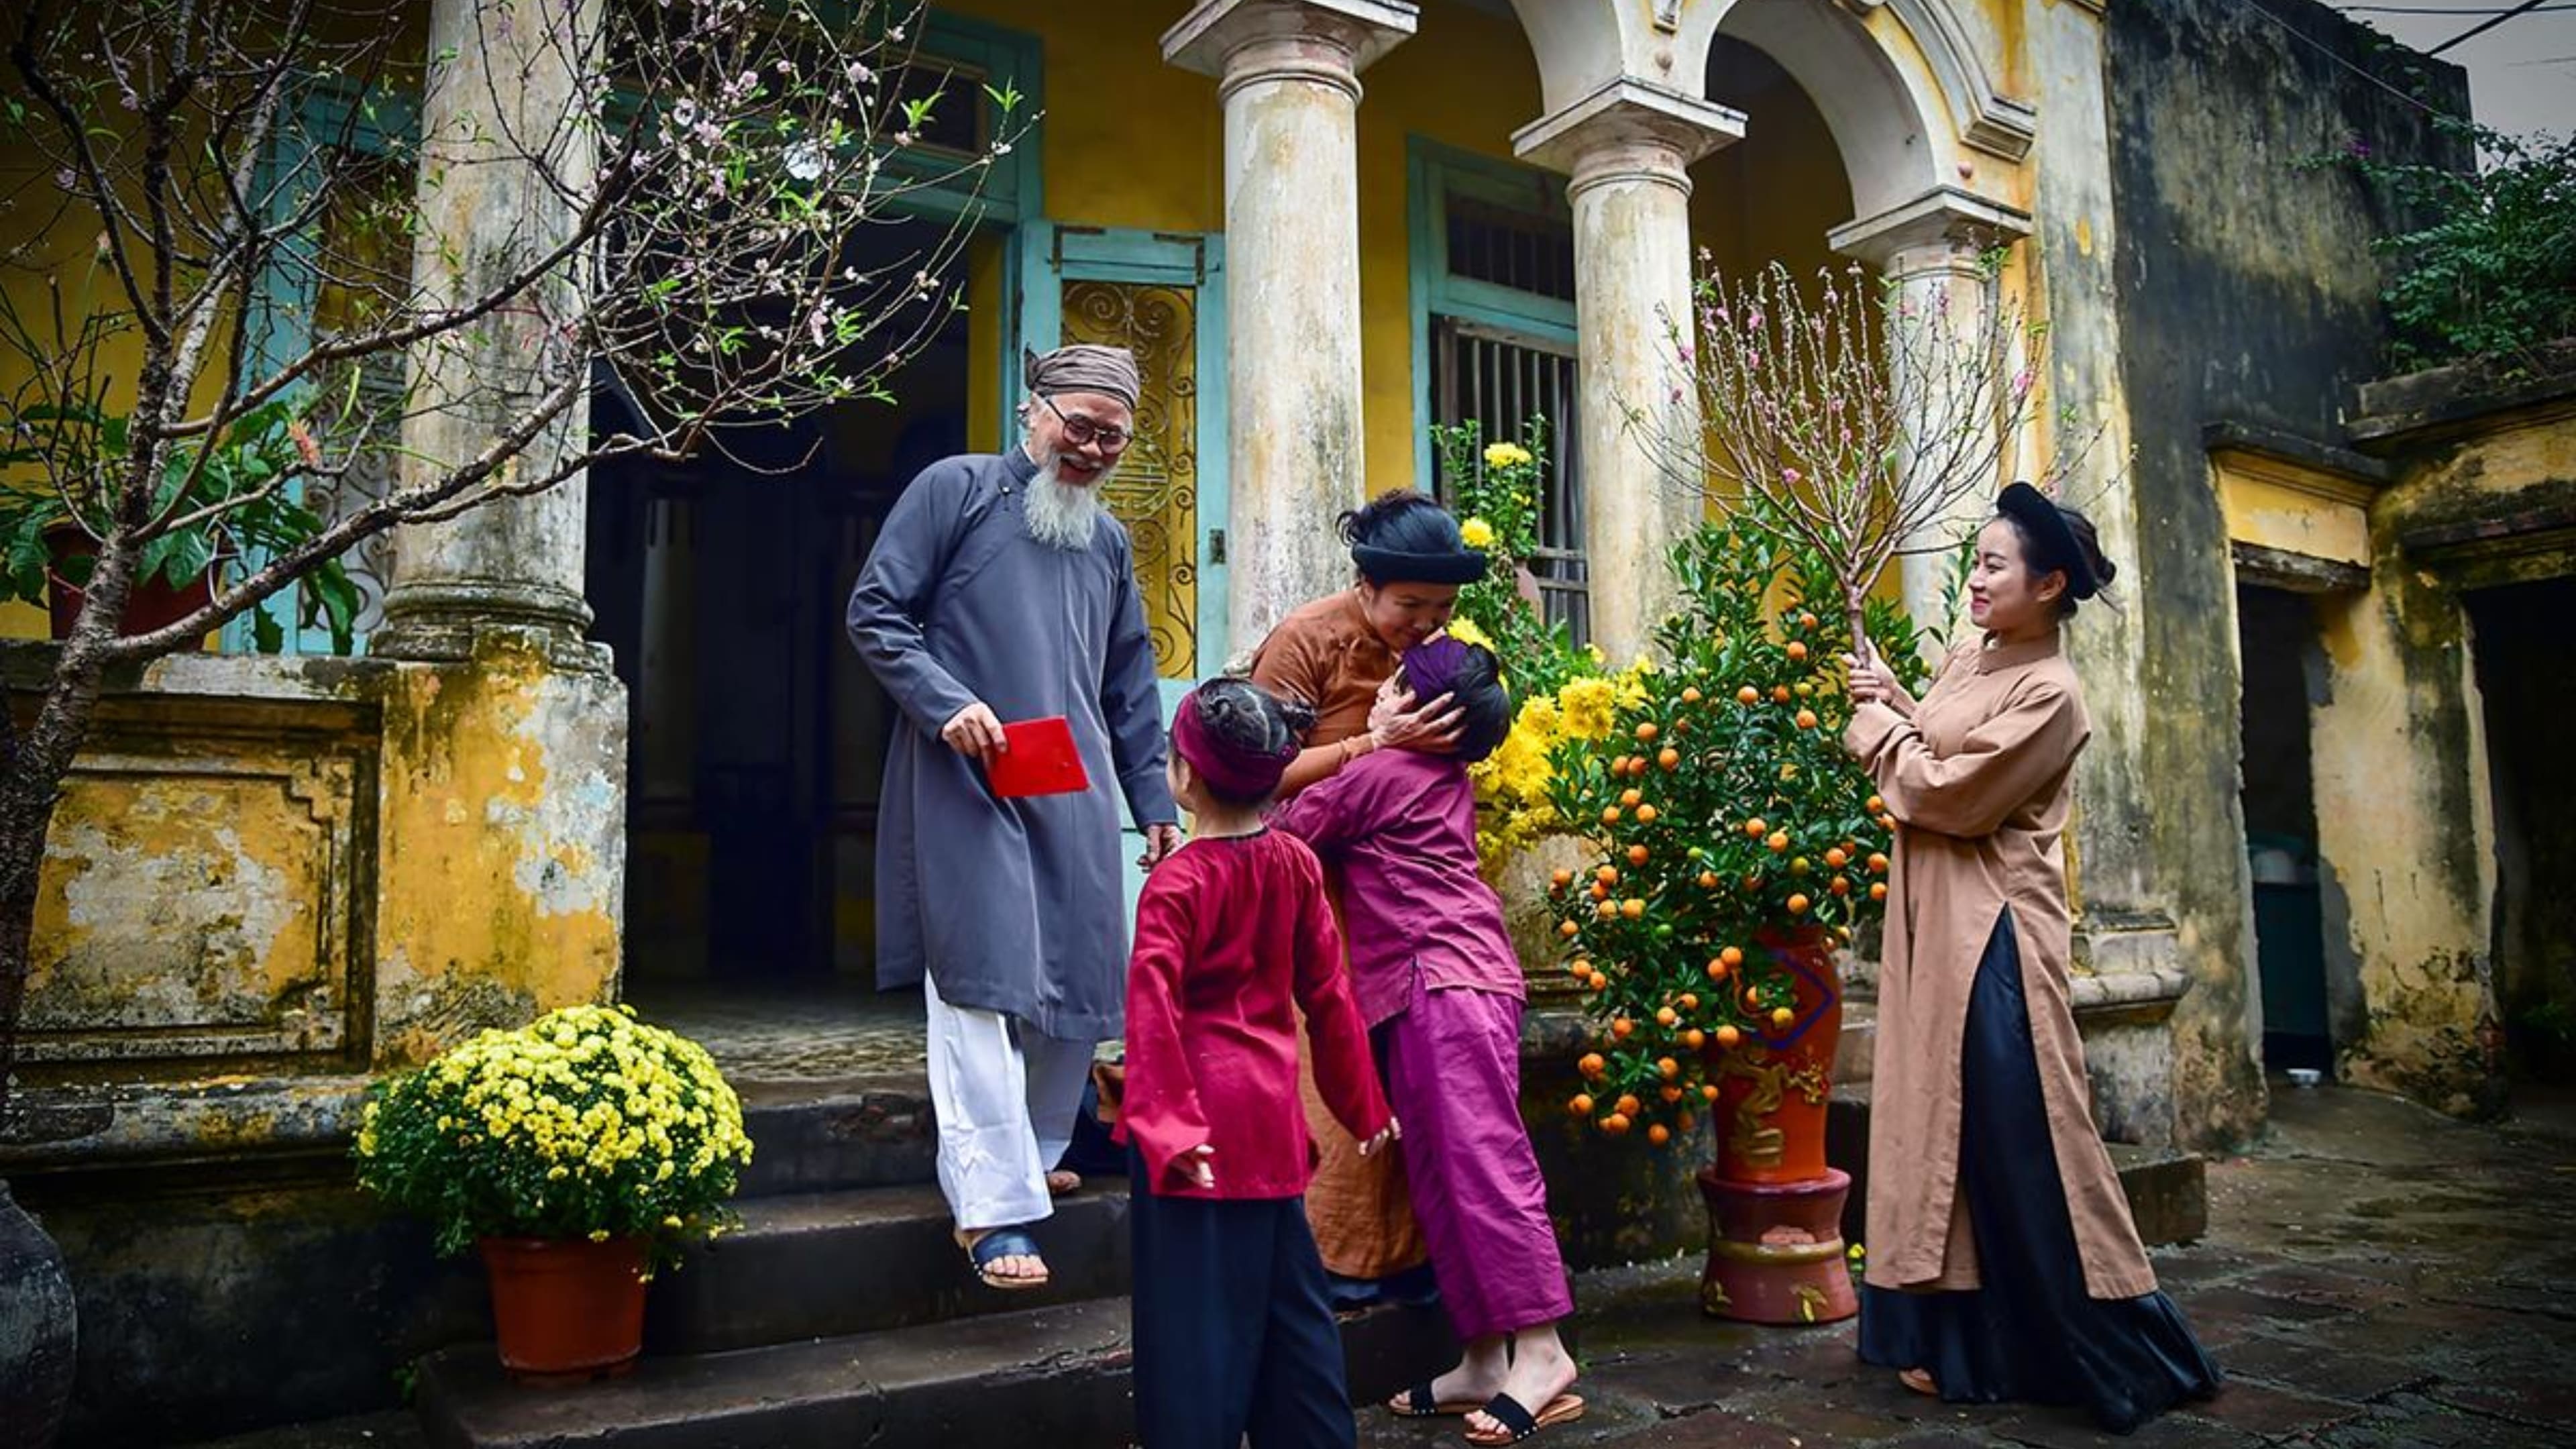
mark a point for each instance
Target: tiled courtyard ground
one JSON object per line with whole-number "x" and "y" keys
{"x": 2375, "y": 1275}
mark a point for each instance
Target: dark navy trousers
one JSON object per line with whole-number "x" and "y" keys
{"x": 2031, "y": 1333}
{"x": 1233, "y": 1333}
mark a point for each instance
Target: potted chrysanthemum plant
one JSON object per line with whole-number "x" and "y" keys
{"x": 575, "y": 1153}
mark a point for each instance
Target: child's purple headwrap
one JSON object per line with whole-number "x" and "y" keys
{"x": 1241, "y": 773}
{"x": 1431, "y": 667}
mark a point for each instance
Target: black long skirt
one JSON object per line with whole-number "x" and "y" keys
{"x": 2030, "y": 1334}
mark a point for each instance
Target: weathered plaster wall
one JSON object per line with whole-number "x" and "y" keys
{"x": 2245, "y": 292}
{"x": 271, "y": 880}
{"x": 2481, "y": 525}
{"x": 2404, "y": 840}
{"x": 504, "y": 822}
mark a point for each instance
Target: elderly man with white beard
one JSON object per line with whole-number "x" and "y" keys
{"x": 1001, "y": 589}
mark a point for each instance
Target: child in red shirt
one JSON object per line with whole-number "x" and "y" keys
{"x": 1233, "y": 1333}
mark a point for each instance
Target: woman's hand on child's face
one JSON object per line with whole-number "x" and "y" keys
{"x": 1391, "y": 1132}
{"x": 1398, "y": 721}
{"x": 1202, "y": 1173}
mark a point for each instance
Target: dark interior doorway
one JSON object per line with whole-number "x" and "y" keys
{"x": 2279, "y": 650}
{"x": 757, "y": 736}
{"x": 2526, "y": 669}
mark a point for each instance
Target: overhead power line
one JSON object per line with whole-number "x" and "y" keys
{"x": 2483, "y": 26}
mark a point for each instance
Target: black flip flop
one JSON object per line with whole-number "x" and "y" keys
{"x": 1420, "y": 1403}
{"x": 1519, "y": 1423}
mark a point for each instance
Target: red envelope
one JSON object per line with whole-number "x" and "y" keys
{"x": 1042, "y": 760}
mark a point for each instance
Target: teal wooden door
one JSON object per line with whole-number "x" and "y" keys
{"x": 1162, "y": 297}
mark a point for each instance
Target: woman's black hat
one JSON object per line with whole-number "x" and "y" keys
{"x": 1385, "y": 566}
{"x": 2052, "y": 542}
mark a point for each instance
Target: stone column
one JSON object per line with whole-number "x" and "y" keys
{"x": 1626, "y": 146}
{"x": 1288, "y": 78}
{"x": 501, "y": 796}
{"x": 1929, "y": 249}
{"x": 487, "y": 210}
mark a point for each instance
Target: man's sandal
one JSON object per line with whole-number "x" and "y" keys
{"x": 1419, "y": 1402}
{"x": 996, "y": 1244}
{"x": 1519, "y": 1423}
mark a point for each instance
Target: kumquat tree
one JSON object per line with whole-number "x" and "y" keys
{"x": 1722, "y": 820}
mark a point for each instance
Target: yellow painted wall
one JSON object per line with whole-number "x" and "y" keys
{"x": 1775, "y": 194}
{"x": 1467, "y": 81}
{"x": 2279, "y": 506}
{"x": 1130, "y": 142}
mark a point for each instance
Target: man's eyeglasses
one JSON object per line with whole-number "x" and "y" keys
{"x": 1083, "y": 432}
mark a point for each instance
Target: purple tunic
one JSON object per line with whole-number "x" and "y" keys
{"x": 1400, "y": 828}
{"x": 958, "y": 603}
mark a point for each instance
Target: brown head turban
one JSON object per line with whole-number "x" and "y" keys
{"x": 1083, "y": 367}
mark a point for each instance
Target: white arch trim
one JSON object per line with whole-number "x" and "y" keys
{"x": 1995, "y": 123}
{"x": 1903, "y": 115}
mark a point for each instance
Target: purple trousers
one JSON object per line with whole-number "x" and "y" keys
{"x": 1452, "y": 1063}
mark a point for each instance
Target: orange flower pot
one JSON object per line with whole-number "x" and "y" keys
{"x": 1772, "y": 1089}
{"x": 566, "y": 1310}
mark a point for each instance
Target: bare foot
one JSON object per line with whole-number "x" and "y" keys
{"x": 1476, "y": 1379}
{"x": 1541, "y": 1370}
{"x": 1013, "y": 1270}
{"x": 1920, "y": 1381}
{"x": 1061, "y": 1183}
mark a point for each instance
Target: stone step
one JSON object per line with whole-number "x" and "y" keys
{"x": 1059, "y": 1372}
{"x": 824, "y": 1136}
{"x": 2168, "y": 1192}
{"x": 824, "y": 1264}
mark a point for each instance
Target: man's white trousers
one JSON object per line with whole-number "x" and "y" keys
{"x": 1006, "y": 1095}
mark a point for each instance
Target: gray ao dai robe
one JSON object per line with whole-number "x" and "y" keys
{"x": 1015, "y": 906}
{"x": 1978, "y": 780}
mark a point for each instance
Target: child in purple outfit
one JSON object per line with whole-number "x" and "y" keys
{"x": 1440, "y": 988}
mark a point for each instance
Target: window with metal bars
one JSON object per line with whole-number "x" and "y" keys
{"x": 1497, "y": 379}
{"x": 1496, "y": 292}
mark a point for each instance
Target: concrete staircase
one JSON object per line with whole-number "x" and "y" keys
{"x": 842, "y": 1313}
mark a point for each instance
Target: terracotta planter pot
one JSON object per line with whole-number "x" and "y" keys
{"x": 148, "y": 607}
{"x": 566, "y": 1310}
{"x": 1775, "y": 1248}
{"x": 1775, "y": 1251}
{"x": 1772, "y": 1089}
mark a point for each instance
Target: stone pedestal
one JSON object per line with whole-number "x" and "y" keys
{"x": 1288, "y": 78}
{"x": 1776, "y": 1252}
{"x": 1627, "y": 145}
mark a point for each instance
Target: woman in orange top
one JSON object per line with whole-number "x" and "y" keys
{"x": 1338, "y": 654}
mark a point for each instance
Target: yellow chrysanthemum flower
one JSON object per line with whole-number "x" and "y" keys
{"x": 1506, "y": 455}
{"x": 1588, "y": 707}
{"x": 1477, "y": 534}
{"x": 1464, "y": 630}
